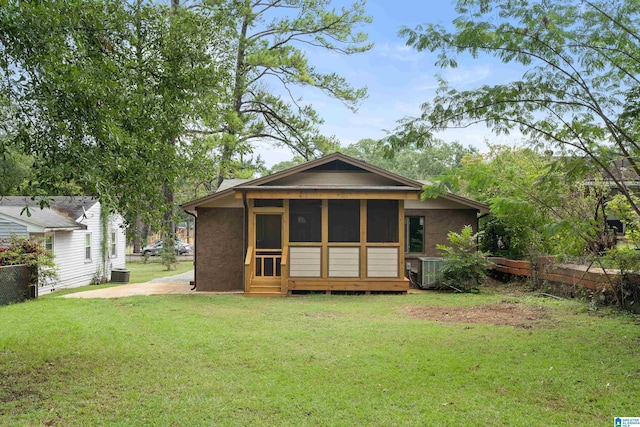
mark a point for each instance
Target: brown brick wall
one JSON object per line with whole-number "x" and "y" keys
{"x": 219, "y": 249}
{"x": 438, "y": 222}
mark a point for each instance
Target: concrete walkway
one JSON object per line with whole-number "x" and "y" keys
{"x": 178, "y": 284}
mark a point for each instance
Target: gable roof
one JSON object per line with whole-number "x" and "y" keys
{"x": 63, "y": 213}
{"x": 335, "y": 161}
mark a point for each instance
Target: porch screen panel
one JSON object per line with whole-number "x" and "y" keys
{"x": 304, "y": 262}
{"x": 268, "y": 231}
{"x": 344, "y": 221}
{"x": 344, "y": 262}
{"x": 305, "y": 220}
{"x": 382, "y": 262}
{"x": 382, "y": 221}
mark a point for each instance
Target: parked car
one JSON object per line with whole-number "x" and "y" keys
{"x": 154, "y": 249}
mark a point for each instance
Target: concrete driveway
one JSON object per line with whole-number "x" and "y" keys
{"x": 178, "y": 284}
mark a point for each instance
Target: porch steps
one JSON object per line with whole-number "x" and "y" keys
{"x": 271, "y": 288}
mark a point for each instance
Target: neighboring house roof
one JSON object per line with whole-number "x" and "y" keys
{"x": 63, "y": 213}
{"x": 232, "y": 182}
{"x": 335, "y": 161}
{"x": 621, "y": 171}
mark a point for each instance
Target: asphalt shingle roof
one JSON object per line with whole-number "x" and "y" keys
{"x": 63, "y": 211}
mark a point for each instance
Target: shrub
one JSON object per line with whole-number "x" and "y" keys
{"x": 625, "y": 290}
{"x": 19, "y": 250}
{"x": 464, "y": 266}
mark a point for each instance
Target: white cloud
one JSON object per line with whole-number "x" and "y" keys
{"x": 397, "y": 52}
{"x": 461, "y": 77}
{"x": 467, "y": 76}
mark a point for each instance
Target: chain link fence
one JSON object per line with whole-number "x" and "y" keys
{"x": 15, "y": 285}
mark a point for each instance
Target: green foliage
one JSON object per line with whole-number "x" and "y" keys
{"x": 627, "y": 260}
{"x": 578, "y": 87}
{"x": 500, "y": 239}
{"x": 286, "y": 164}
{"x": 619, "y": 206}
{"x": 538, "y": 203}
{"x": 464, "y": 267}
{"x": 127, "y": 101}
{"x": 101, "y": 94}
{"x": 270, "y": 62}
{"x": 20, "y": 250}
{"x": 168, "y": 254}
{"x": 411, "y": 160}
{"x": 15, "y": 169}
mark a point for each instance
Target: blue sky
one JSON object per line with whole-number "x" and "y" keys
{"x": 398, "y": 78}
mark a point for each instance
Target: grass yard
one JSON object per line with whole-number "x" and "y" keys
{"x": 139, "y": 273}
{"x": 317, "y": 361}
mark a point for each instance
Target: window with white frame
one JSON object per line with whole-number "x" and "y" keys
{"x": 114, "y": 246}
{"x": 87, "y": 247}
{"x": 48, "y": 242}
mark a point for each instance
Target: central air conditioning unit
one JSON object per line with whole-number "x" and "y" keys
{"x": 429, "y": 274}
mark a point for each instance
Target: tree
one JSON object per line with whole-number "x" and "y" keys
{"x": 286, "y": 164}
{"x": 416, "y": 162}
{"x": 534, "y": 207}
{"x": 578, "y": 90}
{"x": 464, "y": 267}
{"x": 15, "y": 168}
{"x": 101, "y": 94}
{"x": 270, "y": 61}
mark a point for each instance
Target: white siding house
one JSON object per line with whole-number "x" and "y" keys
{"x": 72, "y": 228}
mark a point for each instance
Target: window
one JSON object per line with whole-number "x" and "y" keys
{"x": 414, "y": 234}
{"x": 48, "y": 242}
{"x": 114, "y": 246}
{"x": 382, "y": 221}
{"x": 344, "y": 220}
{"x": 305, "y": 220}
{"x": 87, "y": 247}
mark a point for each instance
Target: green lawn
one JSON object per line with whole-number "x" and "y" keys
{"x": 313, "y": 361}
{"x": 139, "y": 273}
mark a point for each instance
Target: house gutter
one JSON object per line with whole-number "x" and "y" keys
{"x": 244, "y": 234}
{"x": 195, "y": 238}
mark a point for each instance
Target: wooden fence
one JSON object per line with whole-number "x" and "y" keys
{"x": 568, "y": 274}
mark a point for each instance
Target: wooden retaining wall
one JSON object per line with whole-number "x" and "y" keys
{"x": 568, "y": 274}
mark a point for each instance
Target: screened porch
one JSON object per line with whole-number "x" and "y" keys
{"x": 325, "y": 244}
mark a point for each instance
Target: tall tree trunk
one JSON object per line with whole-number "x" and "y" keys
{"x": 138, "y": 233}
{"x": 238, "y": 92}
{"x": 167, "y": 189}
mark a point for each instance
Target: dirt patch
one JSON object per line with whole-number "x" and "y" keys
{"x": 503, "y": 314}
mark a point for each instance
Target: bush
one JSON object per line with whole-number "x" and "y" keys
{"x": 464, "y": 266}
{"x": 19, "y": 250}
{"x": 625, "y": 290}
